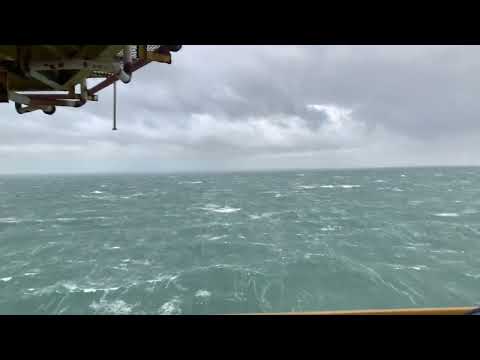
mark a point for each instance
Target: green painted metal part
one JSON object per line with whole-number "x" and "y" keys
{"x": 11, "y": 58}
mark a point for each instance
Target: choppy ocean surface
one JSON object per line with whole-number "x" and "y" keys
{"x": 239, "y": 243}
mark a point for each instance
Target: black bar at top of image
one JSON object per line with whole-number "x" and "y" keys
{"x": 321, "y": 23}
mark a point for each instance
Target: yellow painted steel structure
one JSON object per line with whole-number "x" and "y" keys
{"x": 407, "y": 311}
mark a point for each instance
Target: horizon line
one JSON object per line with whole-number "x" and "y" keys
{"x": 229, "y": 171}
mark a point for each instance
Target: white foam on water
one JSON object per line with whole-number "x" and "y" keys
{"x": 223, "y": 210}
{"x": 70, "y": 286}
{"x": 397, "y": 189}
{"x": 140, "y": 262}
{"x": 227, "y": 210}
{"x": 191, "y": 182}
{"x": 416, "y": 202}
{"x": 475, "y": 276}
{"x": 418, "y": 267}
{"x": 113, "y": 248}
{"x": 93, "y": 290}
{"x": 328, "y": 228}
{"x": 96, "y": 192}
{"x": 330, "y": 186}
{"x": 117, "y": 307}
{"x": 403, "y": 175}
{"x": 9, "y": 220}
{"x": 97, "y": 218}
{"x": 120, "y": 268}
{"x": 213, "y": 238}
{"x": 307, "y": 187}
{"x": 5, "y": 279}
{"x": 65, "y": 219}
{"x": 446, "y": 214}
{"x": 278, "y": 195}
{"x": 445, "y": 251}
{"x": 400, "y": 267}
{"x": 203, "y": 293}
{"x": 171, "y": 307}
{"x": 379, "y": 181}
{"x": 30, "y": 274}
{"x": 168, "y": 278}
{"x": 261, "y": 216}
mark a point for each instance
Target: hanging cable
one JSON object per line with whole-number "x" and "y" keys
{"x": 114, "y": 106}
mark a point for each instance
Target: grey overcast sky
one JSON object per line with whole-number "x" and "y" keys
{"x": 266, "y": 107}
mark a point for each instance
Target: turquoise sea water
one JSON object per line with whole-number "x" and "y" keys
{"x": 239, "y": 242}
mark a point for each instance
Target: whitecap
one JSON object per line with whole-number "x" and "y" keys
{"x": 9, "y": 220}
{"x": 5, "y": 279}
{"x": 261, "y": 216}
{"x": 328, "y": 228}
{"x": 117, "y": 307}
{"x": 203, "y": 293}
{"x": 379, "y": 181}
{"x": 93, "y": 290}
{"x": 412, "y": 267}
{"x": 403, "y": 175}
{"x": 30, "y": 274}
{"x": 397, "y": 189}
{"x": 224, "y": 210}
{"x": 445, "y": 251}
{"x": 475, "y": 276}
{"x": 96, "y": 192}
{"x": 213, "y": 238}
{"x": 329, "y": 186}
{"x": 191, "y": 182}
{"x": 278, "y": 195}
{"x": 171, "y": 307}
{"x": 307, "y": 187}
{"x": 66, "y": 219}
{"x": 168, "y": 278}
{"x": 97, "y": 218}
{"x": 70, "y": 286}
{"x": 446, "y": 214}
{"x": 418, "y": 267}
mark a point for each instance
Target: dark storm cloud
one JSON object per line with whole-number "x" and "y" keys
{"x": 348, "y": 105}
